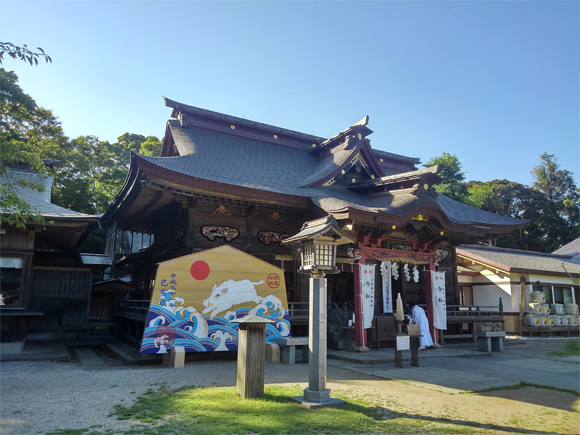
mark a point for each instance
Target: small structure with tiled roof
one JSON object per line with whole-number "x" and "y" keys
{"x": 486, "y": 274}
{"x": 45, "y": 282}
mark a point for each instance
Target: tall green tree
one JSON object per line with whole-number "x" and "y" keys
{"x": 21, "y": 120}
{"x": 25, "y": 130}
{"x": 452, "y": 174}
{"x": 93, "y": 171}
{"x": 546, "y": 229}
{"x": 559, "y": 186}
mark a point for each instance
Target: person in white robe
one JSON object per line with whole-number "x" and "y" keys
{"x": 420, "y": 318}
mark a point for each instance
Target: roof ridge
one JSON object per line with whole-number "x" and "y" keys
{"x": 512, "y": 250}
{"x": 241, "y": 121}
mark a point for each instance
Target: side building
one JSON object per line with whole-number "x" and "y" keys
{"x": 221, "y": 179}
{"x": 45, "y": 281}
{"x": 526, "y": 281}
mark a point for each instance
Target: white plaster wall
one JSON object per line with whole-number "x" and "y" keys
{"x": 489, "y": 287}
{"x": 551, "y": 280}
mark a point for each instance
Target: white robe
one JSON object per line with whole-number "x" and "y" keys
{"x": 420, "y": 319}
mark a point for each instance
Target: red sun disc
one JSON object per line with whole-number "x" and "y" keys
{"x": 199, "y": 270}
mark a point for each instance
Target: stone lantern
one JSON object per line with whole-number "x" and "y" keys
{"x": 318, "y": 240}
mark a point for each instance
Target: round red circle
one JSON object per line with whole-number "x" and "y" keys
{"x": 199, "y": 270}
{"x": 273, "y": 280}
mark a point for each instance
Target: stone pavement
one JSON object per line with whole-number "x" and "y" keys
{"x": 461, "y": 367}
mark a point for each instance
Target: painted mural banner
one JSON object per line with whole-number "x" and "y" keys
{"x": 196, "y": 297}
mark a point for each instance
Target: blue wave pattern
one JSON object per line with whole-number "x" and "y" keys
{"x": 189, "y": 332}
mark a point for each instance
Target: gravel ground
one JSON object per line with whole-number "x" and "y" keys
{"x": 39, "y": 397}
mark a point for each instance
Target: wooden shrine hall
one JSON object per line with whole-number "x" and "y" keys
{"x": 221, "y": 180}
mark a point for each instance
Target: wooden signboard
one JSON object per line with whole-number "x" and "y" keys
{"x": 196, "y": 297}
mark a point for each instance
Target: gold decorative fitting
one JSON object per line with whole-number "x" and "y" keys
{"x": 343, "y": 172}
{"x": 381, "y": 160}
{"x": 360, "y": 136}
{"x": 422, "y": 218}
{"x": 425, "y": 186}
{"x": 394, "y": 227}
{"x": 441, "y": 233}
{"x": 275, "y": 136}
{"x": 233, "y": 127}
{"x": 354, "y": 180}
{"x": 373, "y": 177}
{"x": 313, "y": 145}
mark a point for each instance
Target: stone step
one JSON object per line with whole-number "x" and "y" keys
{"x": 89, "y": 358}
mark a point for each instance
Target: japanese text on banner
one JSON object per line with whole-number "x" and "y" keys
{"x": 439, "y": 303}
{"x": 367, "y": 287}
{"x": 387, "y": 293}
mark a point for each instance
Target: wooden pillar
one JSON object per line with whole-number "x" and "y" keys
{"x": 251, "y": 356}
{"x": 360, "y": 333}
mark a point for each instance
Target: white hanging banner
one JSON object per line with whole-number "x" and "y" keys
{"x": 386, "y": 268}
{"x": 367, "y": 293}
{"x": 439, "y": 304}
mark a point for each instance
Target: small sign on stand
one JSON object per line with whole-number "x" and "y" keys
{"x": 403, "y": 342}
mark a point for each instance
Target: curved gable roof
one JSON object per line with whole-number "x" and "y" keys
{"x": 234, "y": 160}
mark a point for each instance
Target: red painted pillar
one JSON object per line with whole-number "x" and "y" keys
{"x": 429, "y": 297}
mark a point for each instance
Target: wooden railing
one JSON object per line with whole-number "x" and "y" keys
{"x": 467, "y": 312}
{"x": 472, "y": 314}
{"x": 132, "y": 309}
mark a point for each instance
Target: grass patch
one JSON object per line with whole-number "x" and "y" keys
{"x": 572, "y": 348}
{"x": 219, "y": 410}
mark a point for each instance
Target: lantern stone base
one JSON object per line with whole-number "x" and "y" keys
{"x": 317, "y": 399}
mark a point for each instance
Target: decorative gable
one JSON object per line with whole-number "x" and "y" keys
{"x": 345, "y": 159}
{"x": 354, "y": 172}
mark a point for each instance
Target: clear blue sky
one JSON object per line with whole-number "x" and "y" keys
{"x": 494, "y": 82}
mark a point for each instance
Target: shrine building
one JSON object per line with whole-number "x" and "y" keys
{"x": 222, "y": 180}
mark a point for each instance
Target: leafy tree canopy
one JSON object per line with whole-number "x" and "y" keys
{"x": 23, "y": 53}
{"x": 25, "y": 128}
{"x": 91, "y": 172}
{"x": 452, "y": 175}
{"x": 551, "y": 203}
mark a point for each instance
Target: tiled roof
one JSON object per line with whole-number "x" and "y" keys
{"x": 240, "y": 161}
{"x": 572, "y": 249}
{"x": 244, "y": 159}
{"x": 40, "y": 201}
{"x": 513, "y": 260}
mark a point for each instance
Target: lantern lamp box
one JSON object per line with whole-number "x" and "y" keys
{"x": 403, "y": 342}
{"x": 197, "y": 297}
